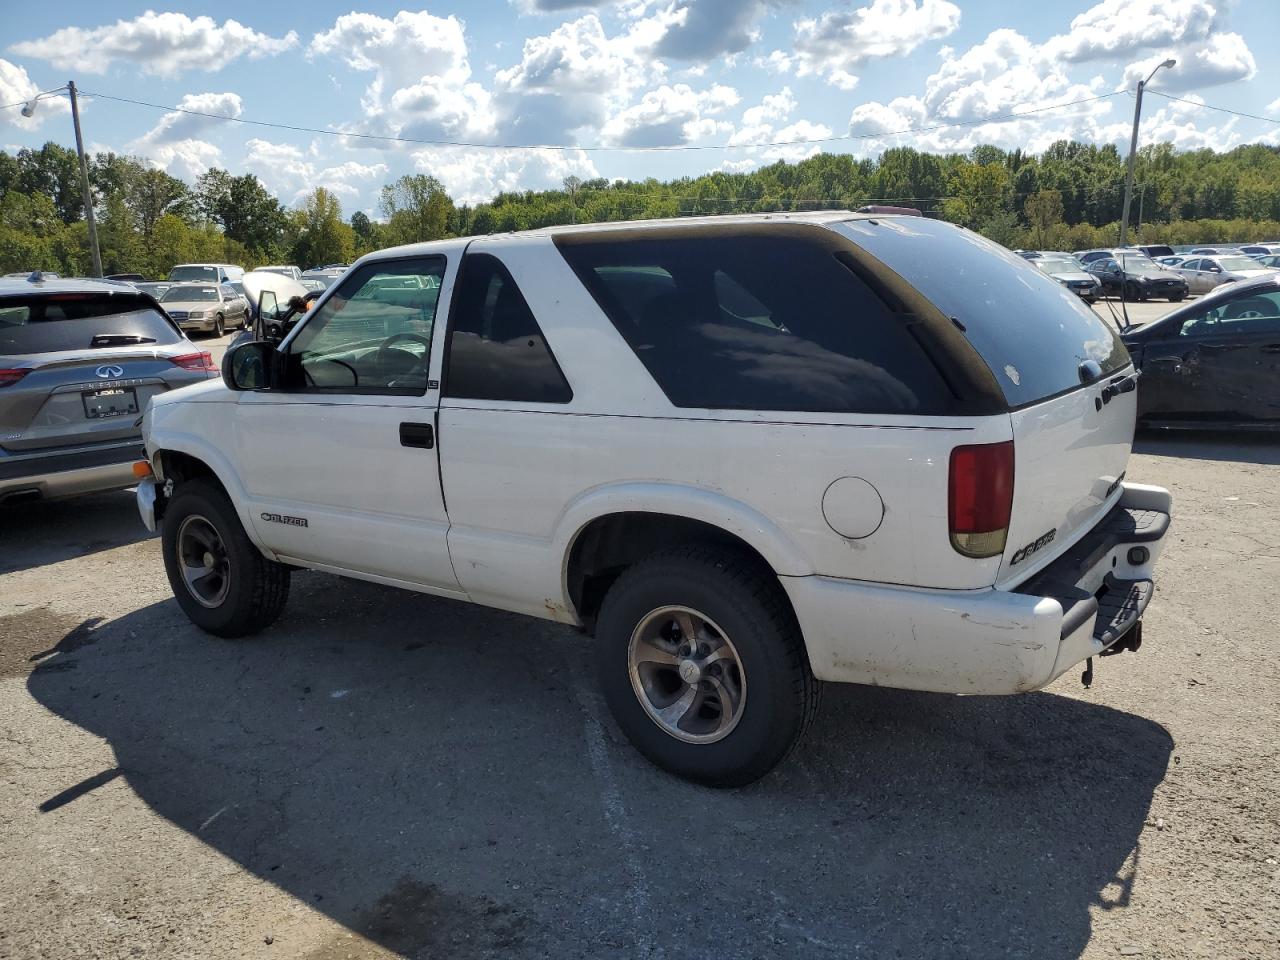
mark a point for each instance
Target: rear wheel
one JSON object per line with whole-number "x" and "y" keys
{"x": 703, "y": 665}
{"x": 220, "y": 579}
{"x": 1177, "y": 298}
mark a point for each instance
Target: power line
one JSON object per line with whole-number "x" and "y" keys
{"x": 599, "y": 149}
{"x": 1209, "y": 106}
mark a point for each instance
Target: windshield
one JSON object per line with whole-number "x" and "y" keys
{"x": 1237, "y": 263}
{"x": 193, "y": 273}
{"x": 1032, "y": 333}
{"x": 79, "y": 322}
{"x": 1059, "y": 264}
{"x": 1142, "y": 268}
{"x": 176, "y": 294}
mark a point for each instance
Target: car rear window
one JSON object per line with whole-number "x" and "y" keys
{"x": 1033, "y": 333}
{"x": 194, "y": 273}
{"x": 79, "y": 322}
{"x": 755, "y": 318}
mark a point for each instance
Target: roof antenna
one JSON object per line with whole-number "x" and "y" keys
{"x": 37, "y": 276}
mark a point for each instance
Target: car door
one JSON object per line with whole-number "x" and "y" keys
{"x": 1237, "y": 358}
{"x": 1108, "y": 272}
{"x": 340, "y": 463}
{"x": 1190, "y": 270}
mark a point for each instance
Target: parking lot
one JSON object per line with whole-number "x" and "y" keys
{"x": 385, "y": 773}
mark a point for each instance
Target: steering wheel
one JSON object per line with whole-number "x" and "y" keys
{"x": 383, "y": 356}
{"x": 1252, "y": 309}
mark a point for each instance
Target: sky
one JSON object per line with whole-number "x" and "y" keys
{"x": 481, "y": 87}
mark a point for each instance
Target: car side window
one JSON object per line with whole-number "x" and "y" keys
{"x": 373, "y": 335}
{"x": 740, "y": 321}
{"x": 1249, "y": 314}
{"x": 495, "y": 349}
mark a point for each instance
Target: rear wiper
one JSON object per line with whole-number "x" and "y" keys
{"x": 118, "y": 339}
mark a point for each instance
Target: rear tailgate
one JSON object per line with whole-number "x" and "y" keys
{"x": 1069, "y": 458}
{"x": 73, "y": 400}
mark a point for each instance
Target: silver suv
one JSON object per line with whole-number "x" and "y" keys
{"x": 78, "y": 361}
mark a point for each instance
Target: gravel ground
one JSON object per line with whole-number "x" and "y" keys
{"x": 385, "y": 773}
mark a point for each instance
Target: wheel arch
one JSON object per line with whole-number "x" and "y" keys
{"x": 179, "y": 458}
{"x": 611, "y": 529}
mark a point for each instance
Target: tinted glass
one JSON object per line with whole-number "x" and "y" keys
{"x": 79, "y": 322}
{"x": 1033, "y": 333}
{"x": 374, "y": 334}
{"x": 194, "y": 273}
{"x": 1249, "y": 314}
{"x": 1237, "y": 263}
{"x": 496, "y": 350}
{"x": 756, "y": 321}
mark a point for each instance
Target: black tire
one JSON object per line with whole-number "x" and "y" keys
{"x": 218, "y": 327}
{"x": 1178, "y": 298}
{"x": 257, "y": 588}
{"x": 748, "y": 603}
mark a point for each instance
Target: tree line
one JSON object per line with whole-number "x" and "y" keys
{"x": 1068, "y": 197}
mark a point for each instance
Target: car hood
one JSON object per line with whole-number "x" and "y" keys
{"x": 1068, "y": 276}
{"x": 283, "y": 287}
{"x": 209, "y": 389}
{"x": 190, "y": 305}
{"x": 1161, "y": 275}
{"x": 1250, "y": 274}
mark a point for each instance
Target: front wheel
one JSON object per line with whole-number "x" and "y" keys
{"x": 1177, "y": 298}
{"x": 218, "y": 327}
{"x": 222, "y": 581}
{"x": 703, "y": 665}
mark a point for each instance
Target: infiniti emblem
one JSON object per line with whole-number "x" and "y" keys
{"x": 110, "y": 372}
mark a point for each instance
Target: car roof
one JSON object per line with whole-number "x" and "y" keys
{"x": 13, "y": 287}
{"x": 818, "y": 217}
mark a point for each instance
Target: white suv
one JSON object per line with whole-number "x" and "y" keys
{"x": 746, "y": 454}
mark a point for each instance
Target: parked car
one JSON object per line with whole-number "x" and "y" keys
{"x": 78, "y": 361}
{"x": 155, "y": 288}
{"x": 1134, "y": 277}
{"x": 293, "y": 273}
{"x": 1028, "y": 254}
{"x": 1260, "y": 249}
{"x": 314, "y": 284}
{"x": 1214, "y": 362}
{"x": 1270, "y": 260}
{"x": 127, "y": 277}
{"x": 327, "y": 276}
{"x": 1069, "y": 272}
{"x": 205, "y": 273}
{"x": 1156, "y": 250}
{"x": 1204, "y": 273}
{"x": 1170, "y": 261}
{"x": 205, "y": 307}
{"x": 1214, "y": 251}
{"x": 1087, "y": 257}
{"x": 700, "y": 440}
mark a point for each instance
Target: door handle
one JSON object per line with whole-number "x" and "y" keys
{"x": 417, "y": 435}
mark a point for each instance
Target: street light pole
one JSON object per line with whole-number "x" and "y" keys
{"x": 29, "y": 110}
{"x": 1133, "y": 151}
{"x": 84, "y": 183}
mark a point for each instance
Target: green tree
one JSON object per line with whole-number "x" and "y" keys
{"x": 417, "y": 208}
{"x": 321, "y": 235}
{"x": 1043, "y": 211}
{"x": 244, "y": 209}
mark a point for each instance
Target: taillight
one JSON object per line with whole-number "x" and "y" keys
{"x": 195, "y": 361}
{"x": 980, "y": 498}
{"x": 9, "y": 377}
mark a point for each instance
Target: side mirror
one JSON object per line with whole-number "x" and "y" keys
{"x": 249, "y": 365}
{"x": 1215, "y": 269}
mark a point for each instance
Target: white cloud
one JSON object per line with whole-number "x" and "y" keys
{"x": 745, "y": 165}
{"x": 290, "y": 172}
{"x": 15, "y": 85}
{"x": 838, "y": 42}
{"x": 174, "y": 144}
{"x": 670, "y": 115}
{"x": 164, "y": 44}
{"x": 472, "y": 176}
{"x": 1274, "y": 106}
{"x": 1110, "y": 30}
{"x": 421, "y": 84}
{"x": 1222, "y": 58}
{"x": 702, "y": 29}
{"x": 759, "y": 128}
{"x": 575, "y": 78}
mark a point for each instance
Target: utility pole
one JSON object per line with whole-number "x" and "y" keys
{"x": 1133, "y": 150}
{"x": 84, "y": 183}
